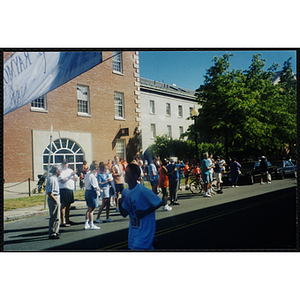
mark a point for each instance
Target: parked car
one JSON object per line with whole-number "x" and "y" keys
{"x": 250, "y": 173}
{"x": 284, "y": 168}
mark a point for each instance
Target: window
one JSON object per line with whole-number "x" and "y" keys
{"x": 169, "y": 131}
{"x": 117, "y": 62}
{"x": 191, "y": 108}
{"x": 180, "y": 114}
{"x": 153, "y": 131}
{"x": 121, "y": 149}
{"x": 119, "y": 105}
{"x": 152, "y": 107}
{"x": 180, "y": 130}
{"x": 61, "y": 149}
{"x": 83, "y": 99}
{"x": 39, "y": 104}
{"x": 168, "y": 110}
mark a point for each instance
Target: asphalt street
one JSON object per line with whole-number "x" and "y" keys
{"x": 247, "y": 218}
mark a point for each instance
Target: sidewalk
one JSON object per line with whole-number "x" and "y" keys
{"x": 27, "y": 212}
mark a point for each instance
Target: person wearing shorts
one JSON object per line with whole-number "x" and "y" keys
{"x": 118, "y": 176}
{"x": 66, "y": 182}
{"x": 91, "y": 196}
{"x": 205, "y": 167}
{"x": 154, "y": 175}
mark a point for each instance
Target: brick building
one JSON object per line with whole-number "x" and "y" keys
{"x": 87, "y": 114}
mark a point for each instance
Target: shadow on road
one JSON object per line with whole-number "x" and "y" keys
{"x": 262, "y": 223}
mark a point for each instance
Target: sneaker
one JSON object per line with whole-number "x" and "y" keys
{"x": 87, "y": 226}
{"x": 117, "y": 209}
{"x": 94, "y": 227}
{"x": 206, "y": 195}
{"x": 262, "y": 183}
{"x": 212, "y": 193}
{"x": 232, "y": 186}
{"x": 109, "y": 220}
{"x": 98, "y": 221}
{"x": 167, "y": 208}
{"x": 269, "y": 182}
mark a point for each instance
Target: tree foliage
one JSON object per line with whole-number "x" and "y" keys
{"x": 244, "y": 110}
{"x": 166, "y": 147}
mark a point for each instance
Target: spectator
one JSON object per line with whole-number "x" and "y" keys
{"x": 174, "y": 169}
{"x": 81, "y": 180}
{"x": 104, "y": 184}
{"x": 211, "y": 171}
{"x": 118, "y": 176}
{"x": 52, "y": 190}
{"x": 235, "y": 171}
{"x": 164, "y": 183}
{"x": 218, "y": 171}
{"x": 186, "y": 172}
{"x": 140, "y": 204}
{"x": 197, "y": 171}
{"x": 66, "y": 182}
{"x": 85, "y": 167}
{"x": 264, "y": 170}
{"x": 141, "y": 165}
{"x": 92, "y": 193}
{"x": 205, "y": 167}
{"x": 154, "y": 175}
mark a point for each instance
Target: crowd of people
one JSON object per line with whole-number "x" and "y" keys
{"x": 106, "y": 181}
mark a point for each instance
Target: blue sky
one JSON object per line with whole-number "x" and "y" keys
{"x": 187, "y": 68}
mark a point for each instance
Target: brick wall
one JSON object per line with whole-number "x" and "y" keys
{"x": 62, "y": 113}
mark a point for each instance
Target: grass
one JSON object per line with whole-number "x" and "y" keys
{"x": 35, "y": 200}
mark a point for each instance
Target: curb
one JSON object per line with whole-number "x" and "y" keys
{"x": 35, "y": 214}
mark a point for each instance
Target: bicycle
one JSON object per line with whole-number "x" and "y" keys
{"x": 196, "y": 185}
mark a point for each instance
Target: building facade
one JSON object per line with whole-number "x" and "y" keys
{"x": 92, "y": 117}
{"x": 165, "y": 110}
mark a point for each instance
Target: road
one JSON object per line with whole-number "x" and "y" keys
{"x": 258, "y": 217}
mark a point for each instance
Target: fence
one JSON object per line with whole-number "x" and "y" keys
{"x": 24, "y": 188}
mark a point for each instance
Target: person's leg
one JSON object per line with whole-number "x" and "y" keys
{"x": 62, "y": 214}
{"x": 101, "y": 207}
{"x": 107, "y": 208}
{"x": 176, "y": 187}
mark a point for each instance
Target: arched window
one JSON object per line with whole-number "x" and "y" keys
{"x": 63, "y": 149}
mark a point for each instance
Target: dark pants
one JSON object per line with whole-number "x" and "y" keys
{"x": 173, "y": 188}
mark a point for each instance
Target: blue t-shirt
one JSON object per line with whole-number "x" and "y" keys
{"x": 204, "y": 166}
{"x": 152, "y": 167}
{"x": 141, "y": 231}
{"x": 103, "y": 178}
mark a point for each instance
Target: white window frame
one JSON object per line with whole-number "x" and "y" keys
{"x": 119, "y": 106}
{"x": 85, "y": 90}
{"x": 153, "y": 130}
{"x": 169, "y": 131}
{"x": 152, "y": 107}
{"x": 191, "y": 108}
{"x": 180, "y": 111}
{"x": 168, "y": 109}
{"x": 121, "y": 148}
{"x": 117, "y": 62}
{"x": 181, "y": 130}
{"x": 63, "y": 148}
{"x": 39, "y": 104}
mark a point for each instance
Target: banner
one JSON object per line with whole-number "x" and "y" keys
{"x": 30, "y": 75}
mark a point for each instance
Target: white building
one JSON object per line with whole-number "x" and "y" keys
{"x": 164, "y": 110}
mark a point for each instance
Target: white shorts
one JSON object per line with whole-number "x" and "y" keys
{"x": 219, "y": 177}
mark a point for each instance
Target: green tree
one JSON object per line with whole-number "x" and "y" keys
{"x": 244, "y": 110}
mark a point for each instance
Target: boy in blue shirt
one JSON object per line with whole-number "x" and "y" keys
{"x": 140, "y": 204}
